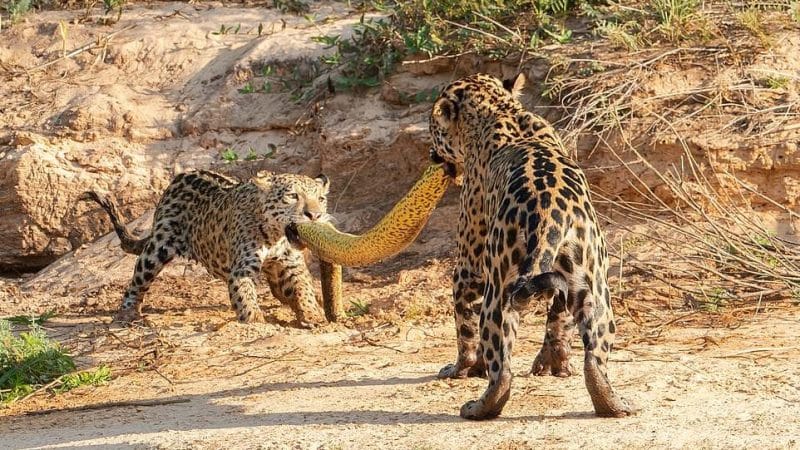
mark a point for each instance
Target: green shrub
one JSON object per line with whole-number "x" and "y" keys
{"x": 28, "y": 361}
{"x": 17, "y": 8}
{"x": 426, "y": 28}
{"x": 31, "y": 360}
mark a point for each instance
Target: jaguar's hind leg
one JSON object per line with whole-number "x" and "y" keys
{"x": 468, "y": 297}
{"x": 148, "y": 265}
{"x": 596, "y": 324}
{"x": 552, "y": 289}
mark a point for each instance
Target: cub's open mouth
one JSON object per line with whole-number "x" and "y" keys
{"x": 293, "y": 236}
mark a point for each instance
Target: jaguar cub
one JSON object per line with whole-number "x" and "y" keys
{"x": 235, "y": 230}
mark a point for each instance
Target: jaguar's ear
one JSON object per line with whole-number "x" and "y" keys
{"x": 263, "y": 180}
{"x": 323, "y": 181}
{"x": 515, "y": 85}
{"x": 444, "y": 111}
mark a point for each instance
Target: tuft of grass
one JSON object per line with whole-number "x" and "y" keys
{"x": 17, "y": 8}
{"x": 29, "y": 361}
{"x": 271, "y": 150}
{"x": 621, "y": 35}
{"x": 96, "y": 377}
{"x": 228, "y": 155}
{"x": 291, "y": 6}
{"x": 367, "y": 57}
{"x": 676, "y": 18}
{"x": 357, "y": 309}
{"x": 751, "y": 20}
{"x": 674, "y": 12}
{"x": 715, "y": 299}
{"x": 31, "y": 320}
{"x": 794, "y": 10}
{"x": 247, "y": 88}
{"x": 111, "y": 5}
{"x": 223, "y": 30}
{"x": 777, "y": 82}
{"x": 251, "y": 155}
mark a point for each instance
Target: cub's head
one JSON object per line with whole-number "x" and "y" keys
{"x": 459, "y": 110}
{"x": 290, "y": 199}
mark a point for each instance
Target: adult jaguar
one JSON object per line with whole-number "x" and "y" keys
{"x": 526, "y": 229}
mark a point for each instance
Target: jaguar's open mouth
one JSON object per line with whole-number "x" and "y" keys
{"x": 449, "y": 168}
{"x": 293, "y": 236}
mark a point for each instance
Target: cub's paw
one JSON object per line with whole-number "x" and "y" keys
{"x": 127, "y": 316}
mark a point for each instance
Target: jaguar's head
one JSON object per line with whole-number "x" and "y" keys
{"x": 454, "y": 115}
{"x": 291, "y": 199}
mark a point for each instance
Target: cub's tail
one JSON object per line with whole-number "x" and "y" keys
{"x": 128, "y": 242}
{"x": 547, "y": 284}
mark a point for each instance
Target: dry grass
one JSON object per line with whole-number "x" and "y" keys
{"x": 695, "y": 243}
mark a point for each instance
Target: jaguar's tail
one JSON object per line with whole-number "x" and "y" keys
{"x": 129, "y": 243}
{"x": 526, "y": 289}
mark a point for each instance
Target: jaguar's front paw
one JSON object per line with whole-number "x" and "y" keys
{"x": 126, "y": 316}
{"x": 477, "y": 410}
{"x": 546, "y": 363}
{"x": 251, "y": 317}
{"x": 461, "y": 371}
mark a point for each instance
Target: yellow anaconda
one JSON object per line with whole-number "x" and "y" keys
{"x": 390, "y": 236}
{"x": 331, "y": 280}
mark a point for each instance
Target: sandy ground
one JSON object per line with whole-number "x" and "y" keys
{"x": 369, "y": 383}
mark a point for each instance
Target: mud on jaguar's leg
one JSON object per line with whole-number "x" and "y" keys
{"x": 468, "y": 297}
{"x": 148, "y": 265}
{"x": 498, "y": 325}
{"x": 596, "y": 325}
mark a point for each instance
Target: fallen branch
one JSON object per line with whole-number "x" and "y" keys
{"x": 100, "y": 41}
{"x": 269, "y": 361}
{"x": 122, "y": 404}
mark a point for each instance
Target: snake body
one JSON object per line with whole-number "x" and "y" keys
{"x": 393, "y": 233}
{"x": 331, "y": 277}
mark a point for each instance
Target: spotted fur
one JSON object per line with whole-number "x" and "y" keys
{"x": 527, "y": 230}
{"x": 236, "y": 230}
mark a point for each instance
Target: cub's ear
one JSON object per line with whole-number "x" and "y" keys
{"x": 515, "y": 85}
{"x": 263, "y": 180}
{"x": 444, "y": 111}
{"x": 323, "y": 181}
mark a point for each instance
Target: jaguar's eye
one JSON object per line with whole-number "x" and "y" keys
{"x": 323, "y": 199}
{"x": 291, "y": 197}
